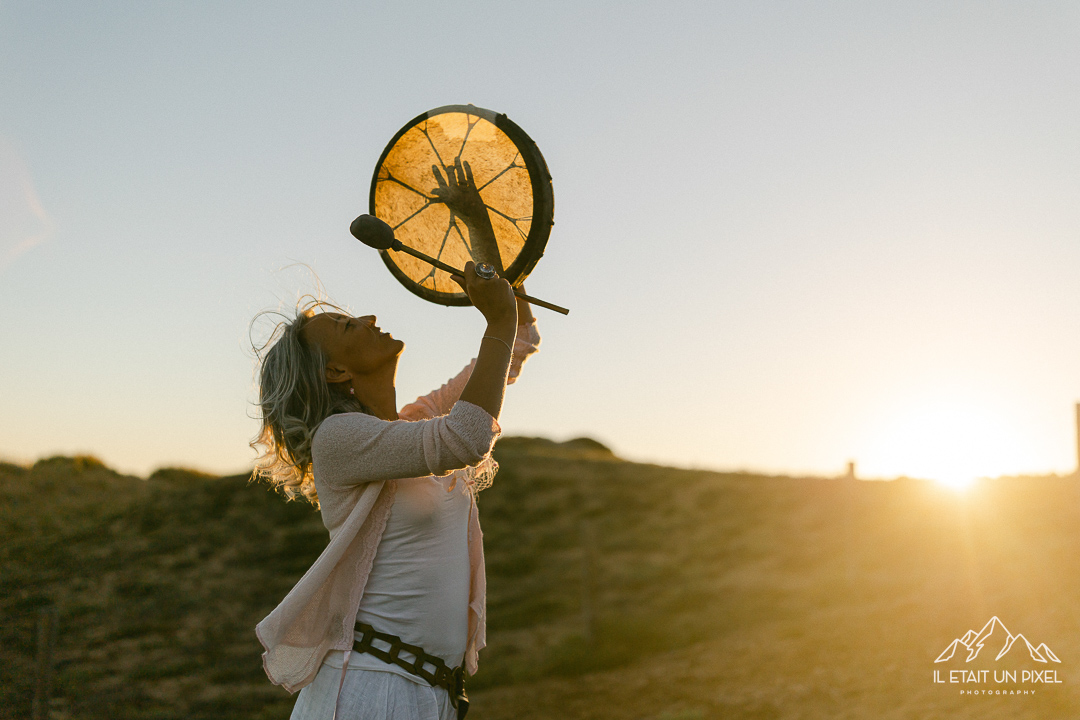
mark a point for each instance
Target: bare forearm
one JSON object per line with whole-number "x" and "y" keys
{"x": 495, "y": 299}
{"x": 487, "y": 384}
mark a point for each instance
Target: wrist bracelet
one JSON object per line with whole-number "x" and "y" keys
{"x": 502, "y": 341}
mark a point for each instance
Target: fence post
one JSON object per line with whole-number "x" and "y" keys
{"x": 586, "y": 580}
{"x": 46, "y": 644}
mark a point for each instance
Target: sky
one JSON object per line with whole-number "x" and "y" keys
{"x": 790, "y": 234}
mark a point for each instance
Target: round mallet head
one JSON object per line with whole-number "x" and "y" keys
{"x": 373, "y": 232}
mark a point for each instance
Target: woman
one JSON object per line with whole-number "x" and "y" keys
{"x": 396, "y": 490}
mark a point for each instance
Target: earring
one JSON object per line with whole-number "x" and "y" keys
{"x": 351, "y": 391}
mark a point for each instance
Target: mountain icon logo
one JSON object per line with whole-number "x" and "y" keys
{"x": 994, "y": 633}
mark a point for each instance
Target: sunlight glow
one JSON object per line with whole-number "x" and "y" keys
{"x": 956, "y": 482}
{"x": 949, "y": 441}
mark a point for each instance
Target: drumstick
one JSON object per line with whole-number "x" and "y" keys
{"x": 375, "y": 233}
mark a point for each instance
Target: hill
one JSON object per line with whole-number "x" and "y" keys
{"x": 705, "y": 594}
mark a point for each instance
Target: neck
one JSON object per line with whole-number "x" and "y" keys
{"x": 376, "y": 391}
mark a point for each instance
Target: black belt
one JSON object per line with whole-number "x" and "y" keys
{"x": 453, "y": 679}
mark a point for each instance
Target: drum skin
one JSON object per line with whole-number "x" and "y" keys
{"x": 503, "y": 216}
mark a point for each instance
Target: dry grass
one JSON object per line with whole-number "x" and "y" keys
{"x": 713, "y": 595}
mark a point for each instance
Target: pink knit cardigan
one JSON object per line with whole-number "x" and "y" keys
{"x": 357, "y": 459}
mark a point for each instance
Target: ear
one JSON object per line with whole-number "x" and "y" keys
{"x": 337, "y": 373}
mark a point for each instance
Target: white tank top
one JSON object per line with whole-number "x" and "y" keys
{"x": 419, "y": 583}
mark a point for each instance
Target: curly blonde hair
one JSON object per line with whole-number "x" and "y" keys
{"x": 294, "y": 399}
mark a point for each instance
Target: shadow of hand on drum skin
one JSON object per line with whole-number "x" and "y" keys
{"x": 458, "y": 191}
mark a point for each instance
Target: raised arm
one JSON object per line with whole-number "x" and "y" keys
{"x": 439, "y": 401}
{"x": 353, "y": 448}
{"x": 495, "y": 299}
{"x": 528, "y": 338}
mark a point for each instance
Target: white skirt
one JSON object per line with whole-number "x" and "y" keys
{"x": 371, "y": 695}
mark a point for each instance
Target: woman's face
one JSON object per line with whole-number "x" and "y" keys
{"x": 356, "y": 344}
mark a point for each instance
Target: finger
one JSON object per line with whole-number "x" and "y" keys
{"x": 468, "y": 175}
{"x": 438, "y": 176}
{"x": 459, "y": 280}
{"x": 459, "y": 174}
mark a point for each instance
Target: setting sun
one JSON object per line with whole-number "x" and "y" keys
{"x": 949, "y": 441}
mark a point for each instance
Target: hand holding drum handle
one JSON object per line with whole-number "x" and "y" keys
{"x": 375, "y": 233}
